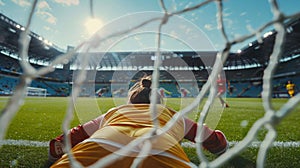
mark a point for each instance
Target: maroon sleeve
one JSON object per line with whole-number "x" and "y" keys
{"x": 190, "y": 129}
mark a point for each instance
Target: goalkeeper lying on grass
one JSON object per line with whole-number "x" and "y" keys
{"x": 120, "y": 125}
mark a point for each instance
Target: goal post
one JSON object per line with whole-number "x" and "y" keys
{"x": 35, "y": 91}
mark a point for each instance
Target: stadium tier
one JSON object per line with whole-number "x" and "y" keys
{"x": 244, "y": 69}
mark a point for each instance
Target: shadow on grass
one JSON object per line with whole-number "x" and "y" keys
{"x": 241, "y": 162}
{"x": 47, "y": 164}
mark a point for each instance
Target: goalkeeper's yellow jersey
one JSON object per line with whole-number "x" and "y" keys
{"x": 122, "y": 125}
{"x": 290, "y": 86}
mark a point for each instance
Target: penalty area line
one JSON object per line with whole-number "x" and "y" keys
{"x": 254, "y": 144}
{"x": 24, "y": 143}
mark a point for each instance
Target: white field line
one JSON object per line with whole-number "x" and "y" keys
{"x": 24, "y": 143}
{"x": 254, "y": 144}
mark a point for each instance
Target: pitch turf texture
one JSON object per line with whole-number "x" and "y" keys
{"x": 40, "y": 120}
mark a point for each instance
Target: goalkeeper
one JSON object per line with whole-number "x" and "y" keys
{"x": 121, "y": 125}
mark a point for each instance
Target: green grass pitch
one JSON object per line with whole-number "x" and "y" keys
{"x": 40, "y": 119}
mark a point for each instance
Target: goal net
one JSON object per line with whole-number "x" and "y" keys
{"x": 110, "y": 36}
{"x": 34, "y": 91}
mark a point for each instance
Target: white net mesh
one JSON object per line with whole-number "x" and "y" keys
{"x": 160, "y": 21}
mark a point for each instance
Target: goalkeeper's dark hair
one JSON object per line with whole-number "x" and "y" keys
{"x": 140, "y": 92}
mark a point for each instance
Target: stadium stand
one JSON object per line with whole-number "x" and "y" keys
{"x": 7, "y": 84}
{"x": 243, "y": 69}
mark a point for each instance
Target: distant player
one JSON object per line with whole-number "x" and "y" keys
{"x": 184, "y": 92}
{"x": 163, "y": 92}
{"x": 230, "y": 88}
{"x": 101, "y": 91}
{"x": 119, "y": 92}
{"x": 221, "y": 86}
{"x": 290, "y": 87}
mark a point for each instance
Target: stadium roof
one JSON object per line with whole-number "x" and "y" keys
{"x": 258, "y": 52}
{"x": 176, "y": 60}
{"x": 254, "y": 54}
{"x": 39, "y": 49}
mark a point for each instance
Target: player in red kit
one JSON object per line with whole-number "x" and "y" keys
{"x": 221, "y": 87}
